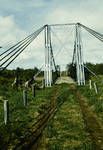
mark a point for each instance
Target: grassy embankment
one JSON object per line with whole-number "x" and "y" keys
{"x": 67, "y": 130}
{"x": 21, "y": 118}
{"x": 94, "y": 100}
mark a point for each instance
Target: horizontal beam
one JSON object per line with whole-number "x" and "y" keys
{"x": 67, "y": 24}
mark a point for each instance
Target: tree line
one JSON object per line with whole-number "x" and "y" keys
{"x": 95, "y": 68}
{"x": 23, "y": 74}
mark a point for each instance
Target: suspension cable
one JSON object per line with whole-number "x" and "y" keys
{"x": 94, "y": 33}
{"x": 15, "y": 49}
{"x": 40, "y": 70}
{"x": 19, "y": 42}
{"x": 21, "y": 49}
{"x": 23, "y": 41}
{"x": 16, "y": 52}
{"x": 91, "y": 71}
{"x": 62, "y": 44}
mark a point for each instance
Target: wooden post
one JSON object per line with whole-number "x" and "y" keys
{"x": 25, "y": 97}
{"x": 90, "y": 84}
{"x": 33, "y": 90}
{"x": 6, "y": 111}
{"x": 43, "y": 83}
{"x": 95, "y": 87}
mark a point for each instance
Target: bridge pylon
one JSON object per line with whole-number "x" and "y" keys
{"x": 78, "y": 56}
{"x": 48, "y": 57}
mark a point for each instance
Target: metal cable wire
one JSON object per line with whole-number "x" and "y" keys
{"x": 17, "y": 55}
{"x": 53, "y": 57}
{"x": 15, "y": 49}
{"x": 91, "y": 71}
{"x": 94, "y": 33}
{"x": 62, "y": 44}
{"x": 21, "y": 49}
{"x": 18, "y": 45}
{"x": 40, "y": 70}
{"x": 67, "y": 24}
{"x": 15, "y": 52}
{"x": 92, "y": 30}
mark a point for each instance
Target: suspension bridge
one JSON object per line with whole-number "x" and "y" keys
{"x": 79, "y": 109}
{"x": 8, "y": 56}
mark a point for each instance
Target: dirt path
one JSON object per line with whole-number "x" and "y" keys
{"x": 74, "y": 125}
{"x": 65, "y": 79}
{"x": 93, "y": 125}
{"x": 55, "y": 105}
{"x": 68, "y": 125}
{"x": 67, "y": 130}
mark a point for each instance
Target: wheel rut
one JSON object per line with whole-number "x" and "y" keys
{"x": 93, "y": 124}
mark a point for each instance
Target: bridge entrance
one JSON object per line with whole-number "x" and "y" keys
{"x": 50, "y": 67}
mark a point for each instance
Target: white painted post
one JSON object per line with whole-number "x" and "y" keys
{"x": 6, "y": 111}
{"x": 25, "y": 97}
{"x": 95, "y": 87}
{"x": 90, "y": 84}
{"x": 43, "y": 83}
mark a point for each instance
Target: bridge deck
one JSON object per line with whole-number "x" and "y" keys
{"x": 64, "y": 79}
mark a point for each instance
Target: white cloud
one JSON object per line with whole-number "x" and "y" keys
{"x": 63, "y": 15}
{"x": 57, "y": 11}
{"x": 86, "y": 17}
{"x": 10, "y": 33}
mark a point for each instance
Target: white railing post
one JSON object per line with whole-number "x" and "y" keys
{"x": 25, "y": 97}
{"x": 6, "y": 111}
{"x": 90, "y": 84}
{"x": 33, "y": 90}
{"x": 95, "y": 87}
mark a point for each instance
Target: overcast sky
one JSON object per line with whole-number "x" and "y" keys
{"x": 19, "y": 18}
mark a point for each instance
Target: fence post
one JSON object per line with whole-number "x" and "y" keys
{"x": 95, "y": 87}
{"x": 43, "y": 83}
{"x": 25, "y": 97}
{"x": 6, "y": 111}
{"x": 90, "y": 84}
{"x": 33, "y": 90}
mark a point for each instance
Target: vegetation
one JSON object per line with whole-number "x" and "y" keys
{"x": 95, "y": 100}
{"x": 22, "y": 74}
{"x": 96, "y": 68}
{"x": 67, "y": 130}
{"x": 21, "y": 118}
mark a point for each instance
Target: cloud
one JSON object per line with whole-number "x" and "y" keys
{"x": 73, "y": 16}
{"x": 10, "y": 33}
{"x": 21, "y": 5}
{"x": 86, "y": 13}
{"x": 27, "y": 16}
